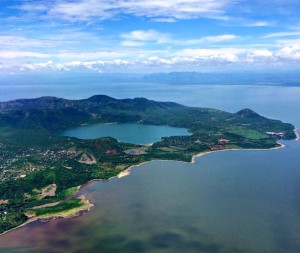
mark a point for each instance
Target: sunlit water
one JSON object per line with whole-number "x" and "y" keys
{"x": 128, "y": 133}
{"x": 226, "y": 202}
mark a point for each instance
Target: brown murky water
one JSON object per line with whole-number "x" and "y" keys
{"x": 227, "y": 202}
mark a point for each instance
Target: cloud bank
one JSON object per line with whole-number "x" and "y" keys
{"x": 195, "y": 59}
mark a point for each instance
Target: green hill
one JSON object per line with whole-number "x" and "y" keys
{"x": 33, "y": 158}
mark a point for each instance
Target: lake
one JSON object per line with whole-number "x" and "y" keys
{"x": 226, "y": 202}
{"x": 127, "y": 132}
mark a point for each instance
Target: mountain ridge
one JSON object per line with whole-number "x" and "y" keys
{"x": 56, "y": 102}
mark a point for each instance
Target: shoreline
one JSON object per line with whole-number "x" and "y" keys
{"x": 86, "y": 207}
{"x": 297, "y": 134}
{"x": 234, "y": 149}
{"x": 127, "y": 172}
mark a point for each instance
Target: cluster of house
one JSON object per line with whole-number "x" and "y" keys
{"x": 217, "y": 147}
{"x": 220, "y": 145}
{"x": 223, "y": 141}
{"x": 274, "y": 134}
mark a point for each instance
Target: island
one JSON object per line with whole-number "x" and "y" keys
{"x": 41, "y": 172}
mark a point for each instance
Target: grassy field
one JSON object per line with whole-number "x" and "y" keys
{"x": 64, "y": 209}
{"x": 248, "y": 133}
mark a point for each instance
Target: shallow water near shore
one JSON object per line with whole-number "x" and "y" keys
{"x": 232, "y": 201}
{"x": 241, "y": 201}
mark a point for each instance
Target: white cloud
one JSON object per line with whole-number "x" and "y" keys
{"x": 33, "y": 7}
{"x": 281, "y": 34}
{"x": 145, "y": 35}
{"x": 38, "y": 66}
{"x": 82, "y": 10}
{"x": 259, "y": 24}
{"x": 52, "y": 41}
{"x": 130, "y": 43}
{"x": 90, "y": 55}
{"x": 96, "y": 66}
{"x": 213, "y": 39}
{"x": 9, "y": 41}
{"x": 21, "y": 54}
{"x": 188, "y": 58}
{"x": 166, "y": 10}
{"x": 288, "y": 42}
{"x": 262, "y": 53}
{"x": 260, "y": 56}
{"x": 155, "y": 60}
{"x": 140, "y": 37}
{"x": 222, "y": 54}
{"x": 292, "y": 52}
{"x": 164, "y": 20}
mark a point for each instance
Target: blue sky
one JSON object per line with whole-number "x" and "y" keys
{"x": 103, "y": 36}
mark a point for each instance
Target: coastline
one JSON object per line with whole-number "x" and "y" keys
{"x": 234, "y": 149}
{"x": 297, "y": 134}
{"x": 88, "y": 205}
{"x": 127, "y": 172}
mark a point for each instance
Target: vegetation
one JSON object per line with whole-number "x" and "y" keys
{"x": 37, "y": 167}
{"x": 11, "y": 220}
{"x": 62, "y": 207}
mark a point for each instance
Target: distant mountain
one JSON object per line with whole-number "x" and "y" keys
{"x": 243, "y": 78}
{"x": 284, "y": 78}
{"x": 99, "y": 101}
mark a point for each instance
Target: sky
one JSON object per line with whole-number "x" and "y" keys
{"x": 143, "y": 36}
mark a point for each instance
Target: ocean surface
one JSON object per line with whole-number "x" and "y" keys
{"x": 128, "y": 133}
{"x": 242, "y": 201}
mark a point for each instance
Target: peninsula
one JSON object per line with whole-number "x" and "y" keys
{"x": 41, "y": 172}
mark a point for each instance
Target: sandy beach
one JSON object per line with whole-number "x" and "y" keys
{"x": 297, "y": 133}
{"x": 234, "y": 149}
{"x": 127, "y": 172}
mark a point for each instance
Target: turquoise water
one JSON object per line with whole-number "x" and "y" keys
{"x": 226, "y": 202}
{"x": 129, "y": 132}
